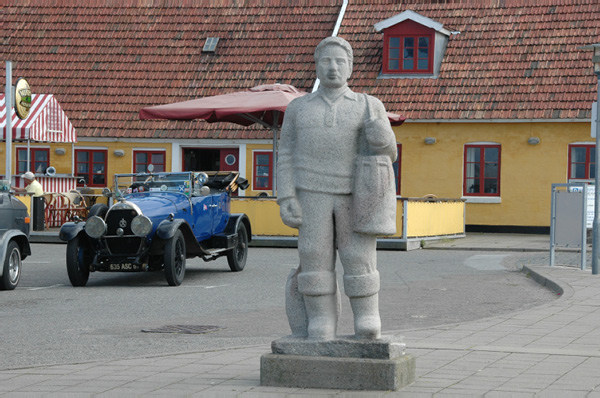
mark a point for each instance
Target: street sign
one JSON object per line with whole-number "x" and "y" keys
{"x": 569, "y": 217}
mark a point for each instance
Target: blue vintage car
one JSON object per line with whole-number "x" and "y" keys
{"x": 156, "y": 222}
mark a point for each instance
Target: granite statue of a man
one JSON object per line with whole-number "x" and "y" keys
{"x": 323, "y": 135}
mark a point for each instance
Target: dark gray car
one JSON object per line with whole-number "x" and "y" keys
{"x": 14, "y": 239}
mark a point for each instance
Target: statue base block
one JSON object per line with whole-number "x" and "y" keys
{"x": 345, "y": 363}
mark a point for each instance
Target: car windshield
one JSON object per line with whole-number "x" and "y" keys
{"x": 181, "y": 182}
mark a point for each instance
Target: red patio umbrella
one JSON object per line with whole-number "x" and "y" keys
{"x": 263, "y": 104}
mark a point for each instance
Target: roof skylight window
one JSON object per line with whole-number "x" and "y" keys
{"x": 210, "y": 45}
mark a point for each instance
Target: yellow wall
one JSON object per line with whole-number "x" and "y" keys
{"x": 527, "y": 171}
{"x": 427, "y": 218}
{"x": 115, "y": 164}
{"x": 264, "y": 216}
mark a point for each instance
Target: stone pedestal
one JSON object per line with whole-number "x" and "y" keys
{"x": 344, "y": 363}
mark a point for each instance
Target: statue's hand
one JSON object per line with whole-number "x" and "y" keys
{"x": 290, "y": 212}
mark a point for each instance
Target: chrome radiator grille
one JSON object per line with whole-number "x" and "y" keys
{"x": 126, "y": 244}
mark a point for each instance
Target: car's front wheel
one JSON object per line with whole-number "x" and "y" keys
{"x": 12, "y": 267}
{"x": 78, "y": 262}
{"x": 175, "y": 259}
{"x": 236, "y": 257}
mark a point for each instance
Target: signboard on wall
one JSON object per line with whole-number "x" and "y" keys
{"x": 22, "y": 98}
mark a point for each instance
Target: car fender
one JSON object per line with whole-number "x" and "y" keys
{"x": 234, "y": 220}
{"x": 20, "y": 238}
{"x": 167, "y": 228}
{"x": 70, "y": 230}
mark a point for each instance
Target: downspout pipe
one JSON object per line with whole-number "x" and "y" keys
{"x": 335, "y": 33}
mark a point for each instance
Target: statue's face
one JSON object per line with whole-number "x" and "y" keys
{"x": 333, "y": 67}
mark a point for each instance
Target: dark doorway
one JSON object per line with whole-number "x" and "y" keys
{"x": 210, "y": 159}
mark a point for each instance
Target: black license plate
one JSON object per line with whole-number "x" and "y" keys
{"x": 124, "y": 267}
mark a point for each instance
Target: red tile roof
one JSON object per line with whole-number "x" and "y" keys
{"x": 104, "y": 63}
{"x": 516, "y": 60}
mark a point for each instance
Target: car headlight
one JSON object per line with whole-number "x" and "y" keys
{"x": 95, "y": 227}
{"x": 141, "y": 225}
{"x": 202, "y": 178}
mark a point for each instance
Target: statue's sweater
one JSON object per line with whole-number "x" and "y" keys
{"x": 321, "y": 139}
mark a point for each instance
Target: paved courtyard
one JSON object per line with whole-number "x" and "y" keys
{"x": 549, "y": 350}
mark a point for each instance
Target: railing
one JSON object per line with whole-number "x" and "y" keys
{"x": 431, "y": 217}
{"x": 59, "y": 207}
{"x": 416, "y": 218}
{"x": 62, "y": 207}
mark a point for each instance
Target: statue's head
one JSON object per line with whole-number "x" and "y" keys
{"x": 333, "y": 57}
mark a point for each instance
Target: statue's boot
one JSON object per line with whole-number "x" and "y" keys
{"x": 363, "y": 291}
{"x": 367, "y": 323}
{"x": 322, "y": 316}
{"x": 321, "y": 302}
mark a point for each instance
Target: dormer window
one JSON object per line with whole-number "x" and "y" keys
{"x": 406, "y": 50}
{"x": 413, "y": 45}
{"x": 409, "y": 54}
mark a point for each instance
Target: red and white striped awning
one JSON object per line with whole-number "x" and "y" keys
{"x": 47, "y": 122}
{"x": 51, "y": 184}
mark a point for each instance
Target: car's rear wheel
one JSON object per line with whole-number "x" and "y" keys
{"x": 78, "y": 262}
{"x": 236, "y": 257}
{"x": 175, "y": 259}
{"x": 12, "y": 267}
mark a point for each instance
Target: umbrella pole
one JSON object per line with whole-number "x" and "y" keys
{"x": 8, "y": 103}
{"x": 274, "y": 182}
{"x": 275, "y": 129}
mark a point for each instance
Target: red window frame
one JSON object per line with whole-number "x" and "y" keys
{"x": 394, "y": 47}
{"x": 158, "y": 167}
{"x": 589, "y": 163}
{"x": 266, "y": 180}
{"x": 397, "y": 166}
{"x": 22, "y": 165}
{"x": 469, "y": 182}
{"x": 90, "y": 163}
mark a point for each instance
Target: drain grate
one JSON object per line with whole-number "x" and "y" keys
{"x": 184, "y": 329}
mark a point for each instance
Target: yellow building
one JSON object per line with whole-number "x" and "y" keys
{"x": 533, "y": 156}
{"x": 526, "y": 169}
